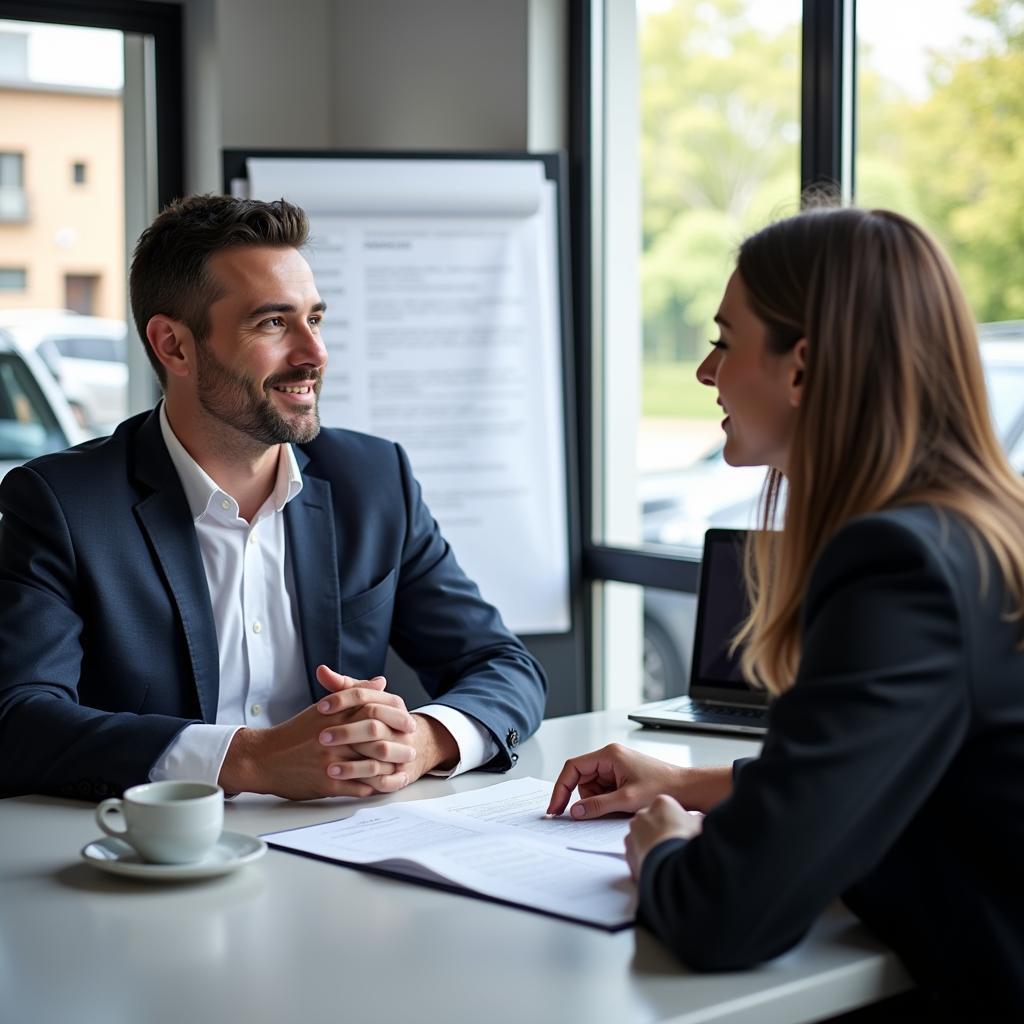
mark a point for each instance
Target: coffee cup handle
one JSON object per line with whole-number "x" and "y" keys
{"x": 103, "y": 812}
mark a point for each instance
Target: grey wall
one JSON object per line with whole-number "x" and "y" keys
{"x": 443, "y": 74}
{"x": 275, "y": 63}
{"x": 353, "y": 74}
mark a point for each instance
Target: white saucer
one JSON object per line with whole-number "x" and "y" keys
{"x": 233, "y": 849}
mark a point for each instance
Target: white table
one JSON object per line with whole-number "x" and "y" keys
{"x": 291, "y": 938}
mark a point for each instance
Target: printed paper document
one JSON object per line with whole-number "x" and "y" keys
{"x": 496, "y": 842}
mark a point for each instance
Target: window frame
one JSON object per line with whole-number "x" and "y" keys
{"x": 826, "y": 149}
{"x": 162, "y": 21}
{"x": 154, "y": 51}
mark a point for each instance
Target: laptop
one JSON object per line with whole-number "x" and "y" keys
{"x": 719, "y": 700}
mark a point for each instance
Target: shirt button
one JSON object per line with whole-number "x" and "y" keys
{"x": 252, "y": 538}
{"x": 256, "y": 709}
{"x": 225, "y": 504}
{"x": 256, "y": 627}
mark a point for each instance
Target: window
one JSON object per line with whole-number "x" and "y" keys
{"x": 699, "y": 143}
{"x": 81, "y": 292}
{"x": 669, "y": 618}
{"x": 940, "y": 116}
{"x": 70, "y": 110}
{"x": 13, "y": 201}
{"x": 12, "y": 170}
{"x": 13, "y": 279}
{"x": 692, "y": 114}
{"x": 719, "y": 100}
{"x": 95, "y": 91}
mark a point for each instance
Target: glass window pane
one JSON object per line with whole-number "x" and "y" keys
{"x": 668, "y": 642}
{"x": 659, "y": 666}
{"x": 13, "y": 202}
{"x": 719, "y": 137}
{"x": 940, "y": 117}
{"x": 62, "y": 204}
{"x": 13, "y": 279}
{"x": 11, "y": 172}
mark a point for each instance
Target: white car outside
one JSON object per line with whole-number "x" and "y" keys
{"x": 35, "y": 417}
{"x": 85, "y": 354}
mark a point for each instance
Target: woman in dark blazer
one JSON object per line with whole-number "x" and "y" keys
{"x": 886, "y": 620}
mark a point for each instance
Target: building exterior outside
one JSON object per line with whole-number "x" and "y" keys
{"x": 61, "y": 192}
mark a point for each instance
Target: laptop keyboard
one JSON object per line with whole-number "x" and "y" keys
{"x": 699, "y": 710}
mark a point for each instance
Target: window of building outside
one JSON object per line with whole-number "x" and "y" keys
{"x": 81, "y": 293}
{"x": 703, "y": 128}
{"x": 13, "y": 204}
{"x": 13, "y": 279}
{"x": 62, "y": 117}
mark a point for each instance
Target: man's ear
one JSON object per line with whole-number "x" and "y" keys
{"x": 172, "y": 343}
{"x": 798, "y": 372}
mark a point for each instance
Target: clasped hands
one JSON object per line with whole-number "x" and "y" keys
{"x": 665, "y": 801}
{"x": 356, "y": 741}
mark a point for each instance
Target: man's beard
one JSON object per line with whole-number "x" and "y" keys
{"x": 233, "y": 399}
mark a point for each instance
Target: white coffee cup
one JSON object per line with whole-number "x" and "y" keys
{"x": 167, "y": 822}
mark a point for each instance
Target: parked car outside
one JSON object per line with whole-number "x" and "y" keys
{"x": 677, "y": 508}
{"x": 85, "y": 354}
{"x": 35, "y": 417}
{"x": 1002, "y": 353}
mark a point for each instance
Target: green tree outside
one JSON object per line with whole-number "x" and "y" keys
{"x": 720, "y": 151}
{"x": 965, "y": 159}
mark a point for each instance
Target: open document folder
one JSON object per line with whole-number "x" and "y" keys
{"x": 496, "y": 843}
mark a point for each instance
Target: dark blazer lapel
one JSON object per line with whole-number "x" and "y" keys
{"x": 165, "y": 518}
{"x": 312, "y": 545}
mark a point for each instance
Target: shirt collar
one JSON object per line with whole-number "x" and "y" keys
{"x": 201, "y": 489}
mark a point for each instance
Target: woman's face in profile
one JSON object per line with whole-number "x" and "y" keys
{"x": 758, "y": 390}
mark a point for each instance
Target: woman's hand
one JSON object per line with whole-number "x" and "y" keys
{"x": 664, "y": 819}
{"x": 617, "y": 779}
{"x": 612, "y": 779}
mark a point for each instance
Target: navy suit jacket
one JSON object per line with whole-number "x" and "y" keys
{"x": 107, "y": 640}
{"x": 890, "y": 775}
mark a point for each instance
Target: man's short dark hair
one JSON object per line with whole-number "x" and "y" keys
{"x": 170, "y": 274}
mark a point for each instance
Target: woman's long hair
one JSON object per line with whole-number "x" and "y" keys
{"x": 894, "y": 409}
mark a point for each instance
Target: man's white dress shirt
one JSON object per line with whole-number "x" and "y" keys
{"x": 252, "y": 590}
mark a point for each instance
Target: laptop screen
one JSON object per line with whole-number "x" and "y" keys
{"x": 721, "y": 608}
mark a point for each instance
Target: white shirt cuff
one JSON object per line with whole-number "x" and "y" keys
{"x": 475, "y": 743}
{"x": 196, "y": 753}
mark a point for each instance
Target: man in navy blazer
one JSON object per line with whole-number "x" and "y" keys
{"x": 181, "y": 599}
